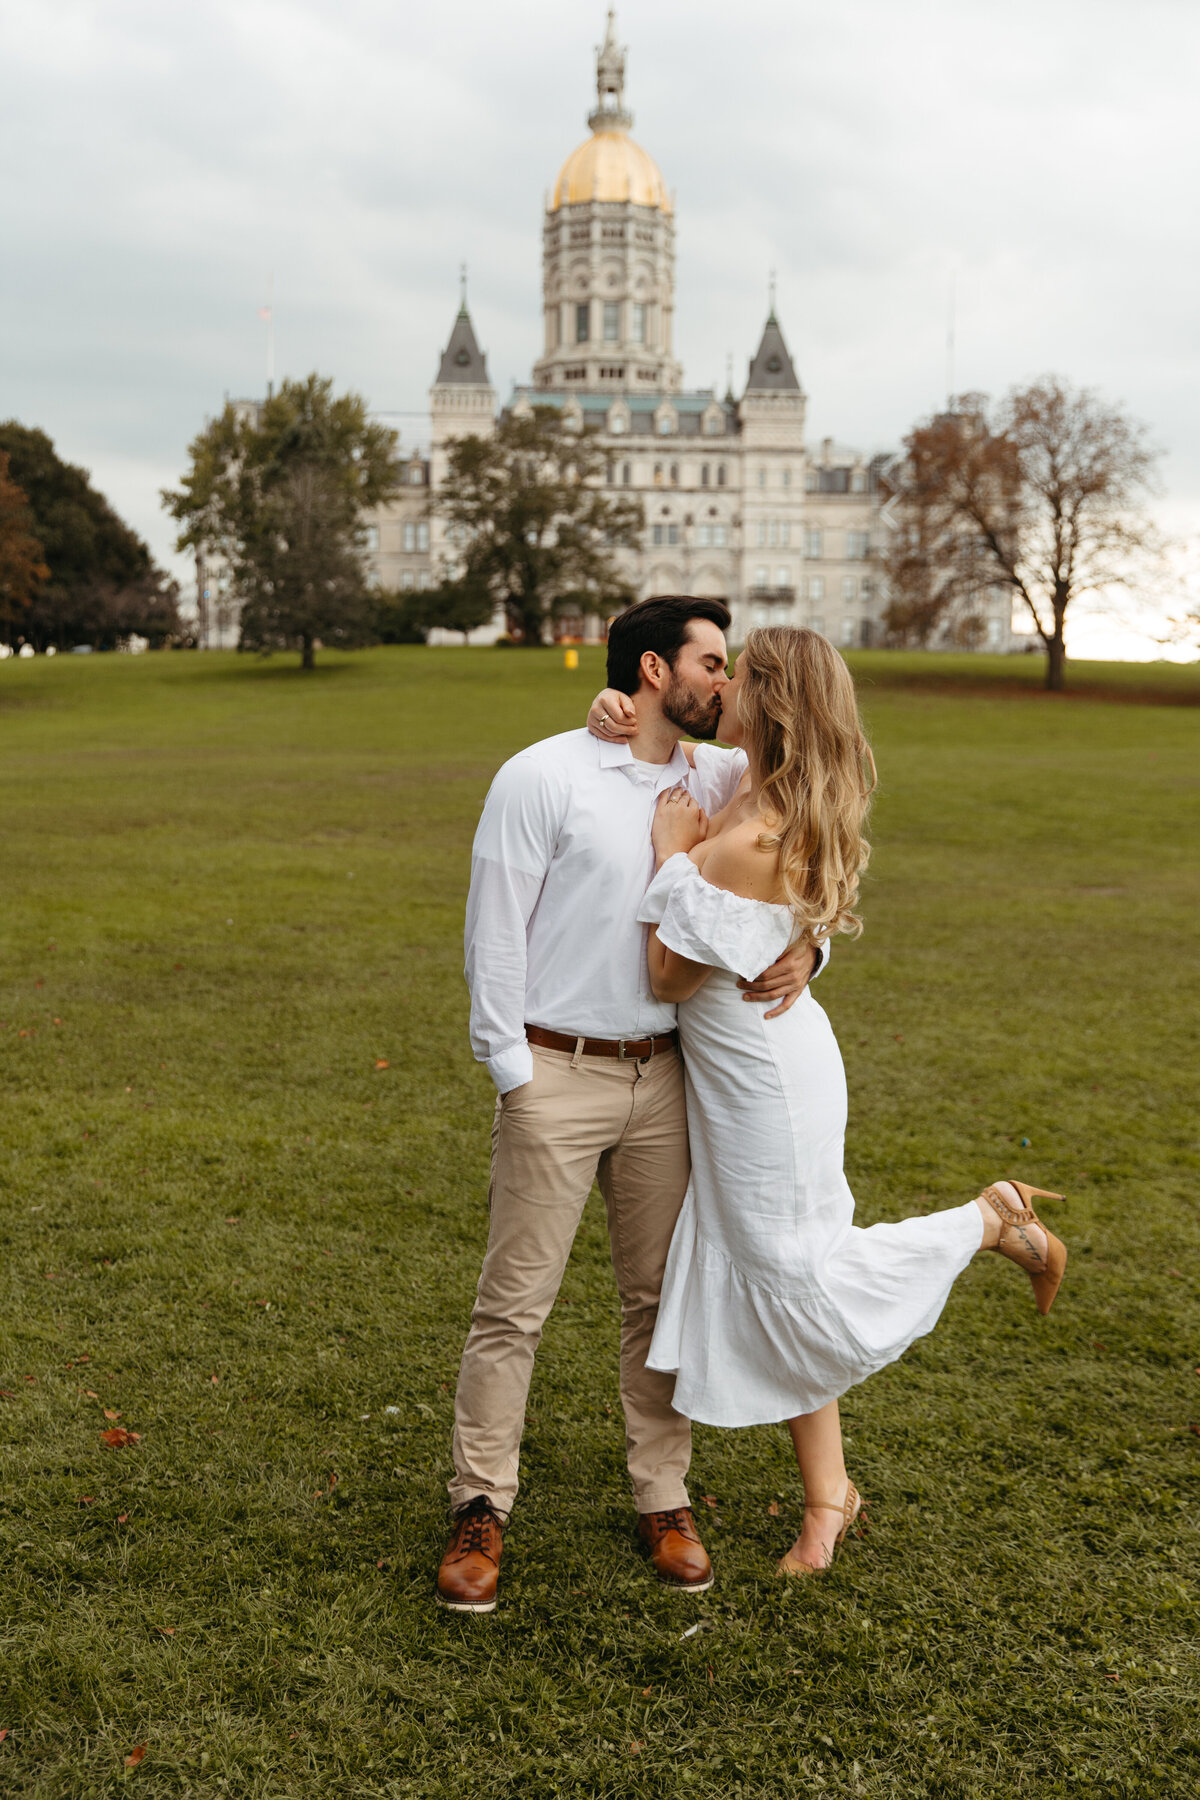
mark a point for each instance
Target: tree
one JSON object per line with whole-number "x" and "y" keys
{"x": 409, "y": 617}
{"x": 22, "y": 571}
{"x": 102, "y": 582}
{"x": 458, "y": 605}
{"x": 1045, "y": 499}
{"x": 277, "y": 493}
{"x": 532, "y": 528}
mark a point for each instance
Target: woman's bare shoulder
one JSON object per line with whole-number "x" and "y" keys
{"x": 736, "y": 859}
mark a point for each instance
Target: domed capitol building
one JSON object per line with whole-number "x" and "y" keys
{"x": 737, "y": 504}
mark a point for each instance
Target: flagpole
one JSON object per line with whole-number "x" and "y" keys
{"x": 270, "y": 334}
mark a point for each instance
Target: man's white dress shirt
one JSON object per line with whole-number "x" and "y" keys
{"x": 561, "y": 862}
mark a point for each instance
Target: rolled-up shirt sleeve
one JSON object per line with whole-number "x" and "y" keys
{"x": 513, "y": 848}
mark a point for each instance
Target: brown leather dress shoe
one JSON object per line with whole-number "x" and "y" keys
{"x": 470, "y": 1568}
{"x": 680, "y": 1559}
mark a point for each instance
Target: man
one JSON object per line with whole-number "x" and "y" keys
{"x": 586, "y": 1063}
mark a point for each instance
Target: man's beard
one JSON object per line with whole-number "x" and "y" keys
{"x": 683, "y": 706}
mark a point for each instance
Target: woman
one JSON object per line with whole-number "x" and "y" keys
{"x": 774, "y": 1302}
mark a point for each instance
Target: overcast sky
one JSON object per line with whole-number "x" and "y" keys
{"x": 161, "y": 162}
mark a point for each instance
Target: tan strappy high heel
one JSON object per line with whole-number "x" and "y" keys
{"x": 1045, "y": 1274}
{"x": 849, "y": 1509}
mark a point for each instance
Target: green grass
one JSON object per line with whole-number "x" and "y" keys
{"x": 229, "y": 892}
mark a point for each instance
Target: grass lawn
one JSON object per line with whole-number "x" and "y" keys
{"x": 243, "y": 1171}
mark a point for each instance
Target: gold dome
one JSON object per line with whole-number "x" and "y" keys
{"x": 610, "y": 166}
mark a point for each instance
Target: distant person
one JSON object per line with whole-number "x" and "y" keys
{"x": 774, "y": 1303}
{"x": 586, "y": 1062}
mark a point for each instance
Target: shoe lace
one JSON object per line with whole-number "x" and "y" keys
{"x": 677, "y": 1519}
{"x": 474, "y": 1523}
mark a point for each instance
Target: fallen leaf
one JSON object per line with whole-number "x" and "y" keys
{"x": 216, "y": 1380}
{"x": 118, "y": 1438}
{"x": 635, "y": 1748}
{"x": 34, "y": 1377}
{"x": 110, "y": 1414}
{"x": 3, "y": 1733}
{"x": 233, "y": 1221}
{"x": 1109, "y": 1677}
{"x": 646, "y": 1693}
{"x": 135, "y": 1756}
{"x": 86, "y": 1500}
{"x": 381, "y": 1062}
{"x": 121, "y": 1518}
{"x": 773, "y": 1510}
{"x": 898, "y": 1036}
{"x": 710, "y": 1500}
{"x": 7, "y": 1394}
{"x": 89, "y": 1393}
{"x": 167, "y": 1630}
{"x": 1178, "y": 1274}
{"x": 1194, "y": 1427}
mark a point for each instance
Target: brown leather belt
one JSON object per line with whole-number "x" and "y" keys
{"x": 625, "y": 1049}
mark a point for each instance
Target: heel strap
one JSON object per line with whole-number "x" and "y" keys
{"x": 847, "y": 1507}
{"x": 1006, "y": 1211}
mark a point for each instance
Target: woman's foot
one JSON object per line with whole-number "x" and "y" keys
{"x": 826, "y": 1523}
{"x": 1023, "y": 1243}
{"x": 1011, "y": 1226}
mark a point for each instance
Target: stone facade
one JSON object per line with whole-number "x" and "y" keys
{"x": 737, "y": 504}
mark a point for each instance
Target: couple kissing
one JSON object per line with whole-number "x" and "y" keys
{"x": 644, "y": 923}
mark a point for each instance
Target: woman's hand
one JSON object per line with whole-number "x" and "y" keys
{"x": 612, "y": 718}
{"x": 679, "y": 824}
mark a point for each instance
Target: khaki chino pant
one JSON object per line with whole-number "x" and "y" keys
{"x": 581, "y": 1119}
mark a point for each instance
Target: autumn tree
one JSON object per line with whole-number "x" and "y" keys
{"x": 1044, "y": 497}
{"x": 277, "y": 493}
{"x": 22, "y": 570}
{"x": 102, "y": 584}
{"x": 531, "y": 526}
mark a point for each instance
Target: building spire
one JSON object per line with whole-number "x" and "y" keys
{"x": 462, "y": 290}
{"x": 463, "y": 362}
{"x": 610, "y": 113}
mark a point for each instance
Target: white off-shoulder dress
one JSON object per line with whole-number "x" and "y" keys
{"x": 774, "y": 1302}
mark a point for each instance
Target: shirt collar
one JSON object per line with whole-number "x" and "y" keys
{"x": 617, "y": 756}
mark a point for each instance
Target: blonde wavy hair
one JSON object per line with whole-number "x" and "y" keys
{"x": 804, "y": 737}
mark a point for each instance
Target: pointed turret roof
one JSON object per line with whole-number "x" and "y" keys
{"x": 463, "y": 360}
{"x": 772, "y": 371}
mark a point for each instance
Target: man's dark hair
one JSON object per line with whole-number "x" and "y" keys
{"x": 659, "y": 625}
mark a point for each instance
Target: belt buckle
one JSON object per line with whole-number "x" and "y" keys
{"x": 623, "y": 1056}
